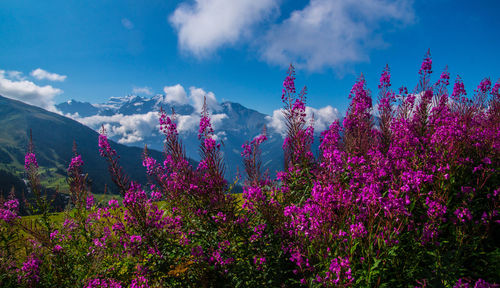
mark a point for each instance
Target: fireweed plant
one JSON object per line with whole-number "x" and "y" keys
{"x": 404, "y": 193}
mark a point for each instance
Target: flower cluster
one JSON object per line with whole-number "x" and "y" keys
{"x": 404, "y": 192}
{"x": 103, "y": 283}
{"x": 9, "y": 210}
{"x": 30, "y": 271}
{"x": 30, "y": 161}
{"x": 75, "y": 163}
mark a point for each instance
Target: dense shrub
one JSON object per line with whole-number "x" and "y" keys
{"x": 403, "y": 194}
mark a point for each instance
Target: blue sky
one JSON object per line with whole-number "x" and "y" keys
{"x": 239, "y": 50}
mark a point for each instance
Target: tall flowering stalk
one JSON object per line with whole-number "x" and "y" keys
{"x": 175, "y": 175}
{"x": 425, "y": 72}
{"x": 358, "y": 122}
{"x": 42, "y": 204}
{"x": 115, "y": 170}
{"x": 386, "y": 100}
{"x": 299, "y": 137}
{"x": 424, "y": 95}
{"x": 211, "y": 165}
{"x": 31, "y": 168}
{"x": 77, "y": 181}
{"x": 251, "y": 158}
{"x": 299, "y": 159}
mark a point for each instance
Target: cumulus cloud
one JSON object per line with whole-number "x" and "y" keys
{"x": 277, "y": 121}
{"x": 135, "y": 128}
{"x": 190, "y": 123}
{"x": 175, "y": 94}
{"x": 216, "y": 119}
{"x": 207, "y": 25}
{"x": 187, "y": 123}
{"x": 41, "y": 74}
{"x": 127, "y": 24}
{"x": 197, "y": 96}
{"x": 130, "y": 128}
{"x": 323, "y": 117}
{"x": 27, "y": 91}
{"x": 333, "y": 33}
{"x": 142, "y": 90}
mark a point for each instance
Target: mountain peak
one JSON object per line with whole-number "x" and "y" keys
{"x": 84, "y": 109}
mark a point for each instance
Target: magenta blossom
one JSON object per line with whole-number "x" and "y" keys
{"x": 30, "y": 161}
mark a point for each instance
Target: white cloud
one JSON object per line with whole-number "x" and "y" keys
{"x": 130, "y": 128}
{"x": 28, "y": 92}
{"x": 209, "y": 24}
{"x": 187, "y": 123}
{"x": 127, "y": 24}
{"x": 333, "y": 33}
{"x": 323, "y": 117}
{"x": 220, "y": 136}
{"x": 190, "y": 123}
{"x": 216, "y": 120}
{"x": 175, "y": 94}
{"x": 197, "y": 96}
{"x": 41, "y": 74}
{"x": 277, "y": 121}
{"x": 72, "y": 115}
{"x": 142, "y": 90}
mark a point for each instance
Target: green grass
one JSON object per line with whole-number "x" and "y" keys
{"x": 56, "y": 218}
{"x": 104, "y": 198}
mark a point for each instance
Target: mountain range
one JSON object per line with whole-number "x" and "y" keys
{"x": 133, "y": 120}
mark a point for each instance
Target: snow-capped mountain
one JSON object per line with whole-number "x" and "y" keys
{"x": 133, "y": 120}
